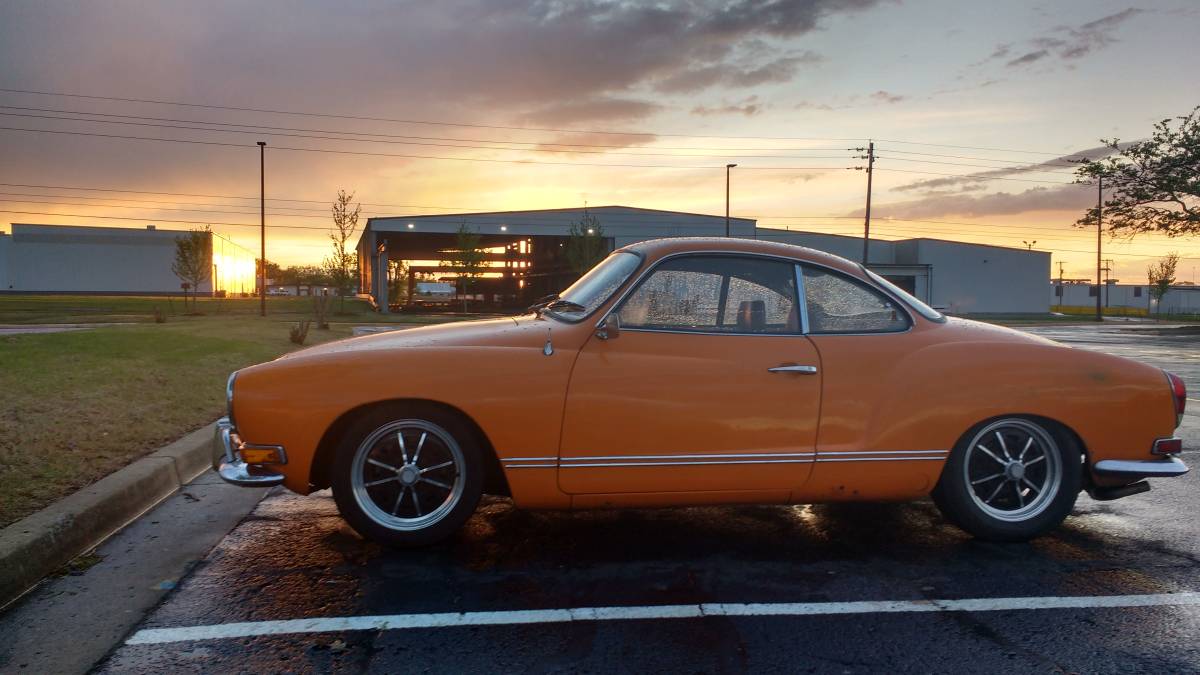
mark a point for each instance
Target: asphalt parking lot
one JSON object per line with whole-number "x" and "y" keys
{"x": 877, "y": 587}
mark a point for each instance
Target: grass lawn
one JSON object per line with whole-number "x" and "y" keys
{"x": 75, "y": 406}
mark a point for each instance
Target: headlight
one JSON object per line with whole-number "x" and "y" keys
{"x": 229, "y": 397}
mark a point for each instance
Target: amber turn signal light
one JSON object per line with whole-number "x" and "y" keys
{"x": 263, "y": 455}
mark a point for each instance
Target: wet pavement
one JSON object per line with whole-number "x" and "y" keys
{"x": 293, "y": 558}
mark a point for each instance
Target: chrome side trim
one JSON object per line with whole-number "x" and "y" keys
{"x": 1141, "y": 468}
{"x": 743, "y": 455}
{"x": 551, "y": 458}
{"x": 886, "y": 452}
{"x": 690, "y": 463}
{"x": 881, "y": 459}
{"x": 531, "y": 466}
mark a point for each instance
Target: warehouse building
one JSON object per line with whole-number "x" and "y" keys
{"x": 110, "y": 261}
{"x": 1179, "y": 299}
{"x": 524, "y": 253}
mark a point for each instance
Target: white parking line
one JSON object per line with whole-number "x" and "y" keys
{"x": 152, "y": 636}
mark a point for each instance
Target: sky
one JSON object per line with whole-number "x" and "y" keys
{"x": 474, "y": 105}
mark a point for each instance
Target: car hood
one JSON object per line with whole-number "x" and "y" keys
{"x": 502, "y": 332}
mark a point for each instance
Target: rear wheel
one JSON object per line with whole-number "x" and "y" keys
{"x": 1010, "y": 479}
{"x": 407, "y": 477}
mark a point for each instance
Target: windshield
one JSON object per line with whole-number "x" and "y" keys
{"x": 924, "y": 309}
{"x": 593, "y": 288}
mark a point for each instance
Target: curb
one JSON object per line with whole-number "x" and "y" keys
{"x": 41, "y": 543}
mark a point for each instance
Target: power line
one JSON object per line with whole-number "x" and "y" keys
{"x": 961, "y": 147}
{"x": 413, "y": 121}
{"x": 281, "y": 134}
{"x": 1009, "y": 169}
{"x": 407, "y": 156}
{"x": 971, "y": 178}
{"x": 987, "y": 159}
{"x": 377, "y": 134}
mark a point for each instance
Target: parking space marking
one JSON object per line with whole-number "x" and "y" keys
{"x": 153, "y": 636}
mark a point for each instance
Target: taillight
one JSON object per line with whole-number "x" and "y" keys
{"x": 1179, "y": 391}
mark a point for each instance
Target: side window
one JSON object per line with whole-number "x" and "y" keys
{"x": 838, "y": 304}
{"x": 715, "y": 294}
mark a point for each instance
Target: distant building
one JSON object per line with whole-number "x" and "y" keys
{"x": 525, "y": 255}
{"x": 110, "y": 261}
{"x": 1179, "y": 299}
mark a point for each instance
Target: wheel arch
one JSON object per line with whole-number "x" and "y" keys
{"x": 1061, "y": 429}
{"x": 494, "y": 479}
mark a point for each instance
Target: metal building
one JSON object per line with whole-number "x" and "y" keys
{"x": 525, "y": 260}
{"x": 110, "y": 261}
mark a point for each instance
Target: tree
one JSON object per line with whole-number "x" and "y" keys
{"x": 585, "y": 245}
{"x": 273, "y": 271}
{"x": 342, "y": 265}
{"x": 1154, "y": 183}
{"x": 398, "y": 274}
{"x": 467, "y": 258}
{"x": 193, "y": 260}
{"x": 1162, "y": 275}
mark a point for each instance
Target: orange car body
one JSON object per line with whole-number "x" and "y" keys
{"x": 660, "y": 418}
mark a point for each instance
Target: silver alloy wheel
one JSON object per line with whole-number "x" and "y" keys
{"x": 1013, "y": 470}
{"x": 408, "y": 474}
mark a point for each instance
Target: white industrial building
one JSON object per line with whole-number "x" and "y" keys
{"x": 1179, "y": 299}
{"x": 110, "y": 261}
{"x": 525, "y": 254}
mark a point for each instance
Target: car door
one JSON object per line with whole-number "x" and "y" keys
{"x": 862, "y": 335}
{"x": 709, "y": 385}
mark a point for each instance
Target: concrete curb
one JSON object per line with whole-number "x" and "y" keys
{"x": 37, "y": 545}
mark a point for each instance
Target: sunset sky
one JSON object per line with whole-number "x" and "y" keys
{"x": 500, "y": 104}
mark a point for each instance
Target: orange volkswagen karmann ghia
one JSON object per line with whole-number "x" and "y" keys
{"x": 704, "y": 371}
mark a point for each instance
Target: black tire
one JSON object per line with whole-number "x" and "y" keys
{"x": 966, "y": 482}
{"x": 365, "y": 507}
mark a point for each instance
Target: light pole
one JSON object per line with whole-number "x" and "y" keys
{"x": 727, "y": 168}
{"x": 1029, "y": 244}
{"x": 262, "y": 227}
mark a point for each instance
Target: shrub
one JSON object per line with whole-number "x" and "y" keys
{"x": 299, "y": 332}
{"x": 321, "y": 310}
{"x": 159, "y": 316}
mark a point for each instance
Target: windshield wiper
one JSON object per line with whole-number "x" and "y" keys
{"x": 566, "y": 305}
{"x": 542, "y": 303}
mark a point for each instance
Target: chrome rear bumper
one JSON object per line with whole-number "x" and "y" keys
{"x": 1136, "y": 469}
{"x": 228, "y": 462}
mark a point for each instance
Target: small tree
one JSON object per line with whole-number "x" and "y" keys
{"x": 467, "y": 259}
{"x": 585, "y": 245}
{"x": 398, "y": 274}
{"x": 193, "y": 260}
{"x": 273, "y": 271}
{"x": 342, "y": 265}
{"x": 1162, "y": 275}
{"x": 1154, "y": 185}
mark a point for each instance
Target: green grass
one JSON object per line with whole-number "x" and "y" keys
{"x": 76, "y": 406}
{"x": 35, "y": 309}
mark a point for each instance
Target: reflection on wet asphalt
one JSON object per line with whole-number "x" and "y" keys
{"x": 295, "y": 558}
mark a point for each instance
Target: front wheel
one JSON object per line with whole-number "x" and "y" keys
{"x": 1010, "y": 479}
{"x": 407, "y": 478}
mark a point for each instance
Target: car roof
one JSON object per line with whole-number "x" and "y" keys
{"x": 658, "y": 248}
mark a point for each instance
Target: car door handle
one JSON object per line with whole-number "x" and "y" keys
{"x": 804, "y": 370}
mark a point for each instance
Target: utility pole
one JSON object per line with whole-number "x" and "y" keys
{"x": 262, "y": 227}
{"x": 1099, "y": 229}
{"x": 867, "y": 221}
{"x": 1108, "y": 266}
{"x": 727, "y": 168}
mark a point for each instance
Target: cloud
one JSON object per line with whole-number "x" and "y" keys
{"x": 886, "y": 97}
{"x": 456, "y": 59}
{"x": 1058, "y": 198}
{"x": 1067, "y": 43}
{"x": 1054, "y": 164}
{"x": 749, "y": 107}
{"x": 591, "y": 110}
{"x": 1029, "y": 58}
{"x": 596, "y": 141}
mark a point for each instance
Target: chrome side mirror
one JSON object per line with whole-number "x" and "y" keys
{"x": 609, "y": 328}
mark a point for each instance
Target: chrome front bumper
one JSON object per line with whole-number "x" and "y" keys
{"x": 227, "y": 460}
{"x": 1136, "y": 469}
